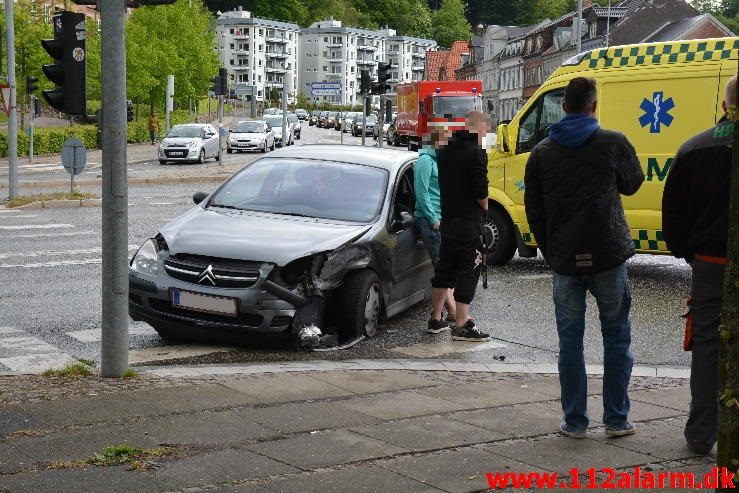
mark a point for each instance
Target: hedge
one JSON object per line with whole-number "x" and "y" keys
{"x": 51, "y": 140}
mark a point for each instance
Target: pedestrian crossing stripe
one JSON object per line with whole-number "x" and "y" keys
{"x": 645, "y": 240}
{"x": 663, "y": 53}
{"x": 649, "y": 240}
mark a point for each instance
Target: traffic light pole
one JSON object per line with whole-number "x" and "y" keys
{"x": 13, "y": 116}
{"x": 114, "y": 352}
{"x": 31, "y": 115}
{"x": 220, "y": 130}
{"x": 381, "y": 122}
{"x": 364, "y": 117}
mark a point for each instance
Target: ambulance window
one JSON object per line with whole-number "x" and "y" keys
{"x": 552, "y": 112}
{"x": 535, "y": 125}
{"x": 527, "y": 130}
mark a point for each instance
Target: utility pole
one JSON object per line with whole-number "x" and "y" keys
{"x": 13, "y": 116}
{"x": 728, "y": 366}
{"x": 115, "y": 191}
{"x": 578, "y": 27}
{"x": 169, "y": 102}
{"x": 220, "y": 129}
{"x": 364, "y": 116}
{"x": 382, "y": 121}
{"x": 31, "y": 115}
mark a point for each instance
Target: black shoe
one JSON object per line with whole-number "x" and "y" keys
{"x": 437, "y": 326}
{"x": 468, "y": 332}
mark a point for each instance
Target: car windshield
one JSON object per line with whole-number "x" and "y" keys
{"x": 300, "y": 187}
{"x": 315, "y": 113}
{"x": 332, "y": 114}
{"x": 371, "y": 119}
{"x": 456, "y": 106}
{"x": 248, "y": 127}
{"x": 274, "y": 120}
{"x": 185, "y": 131}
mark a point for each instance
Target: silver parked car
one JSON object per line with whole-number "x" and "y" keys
{"x": 317, "y": 235}
{"x": 275, "y": 121}
{"x": 250, "y": 135}
{"x": 192, "y": 142}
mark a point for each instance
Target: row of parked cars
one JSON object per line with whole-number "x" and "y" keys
{"x": 197, "y": 142}
{"x": 347, "y": 121}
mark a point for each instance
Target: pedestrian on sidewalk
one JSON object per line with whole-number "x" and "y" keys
{"x": 573, "y": 180}
{"x": 427, "y": 216}
{"x": 153, "y": 127}
{"x": 695, "y": 222}
{"x": 463, "y": 187}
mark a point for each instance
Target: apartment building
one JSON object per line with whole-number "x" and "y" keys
{"x": 258, "y": 52}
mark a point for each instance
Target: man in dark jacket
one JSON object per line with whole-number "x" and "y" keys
{"x": 573, "y": 180}
{"x": 695, "y": 222}
{"x": 463, "y": 184}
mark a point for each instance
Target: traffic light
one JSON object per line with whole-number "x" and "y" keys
{"x": 223, "y": 74}
{"x": 36, "y": 106}
{"x": 217, "y": 87}
{"x": 383, "y": 75}
{"x": 68, "y": 71}
{"x": 129, "y": 110}
{"x": 31, "y": 86}
{"x": 364, "y": 86}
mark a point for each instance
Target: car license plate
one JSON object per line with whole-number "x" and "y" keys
{"x": 203, "y": 302}
{"x": 178, "y": 153}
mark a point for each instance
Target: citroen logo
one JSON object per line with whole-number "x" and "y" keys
{"x": 207, "y": 275}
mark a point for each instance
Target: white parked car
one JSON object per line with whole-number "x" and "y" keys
{"x": 275, "y": 121}
{"x": 250, "y": 135}
{"x": 192, "y": 142}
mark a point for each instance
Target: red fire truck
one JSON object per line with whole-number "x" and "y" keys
{"x": 425, "y": 104}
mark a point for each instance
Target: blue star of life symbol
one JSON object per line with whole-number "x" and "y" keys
{"x": 656, "y": 112}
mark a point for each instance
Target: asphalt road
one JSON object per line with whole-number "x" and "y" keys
{"x": 50, "y": 293}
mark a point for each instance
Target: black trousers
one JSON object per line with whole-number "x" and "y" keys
{"x": 707, "y": 291}
{"x": 460, "y": 258}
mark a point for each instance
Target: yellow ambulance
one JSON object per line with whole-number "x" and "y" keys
{"x": 657, "y": 94}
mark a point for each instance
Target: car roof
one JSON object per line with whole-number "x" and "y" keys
{"x": 389, "y": 159}
{"x": 258, "y": 120}
{"x": 192, "y": 125}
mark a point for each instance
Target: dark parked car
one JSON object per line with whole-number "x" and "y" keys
{"x": 359, "y": 126}
{"x": 313, "y": 120}
{"x": 302, "y": 114}
{"x": 319, "y": 234}
{"x": 322, "y": 119}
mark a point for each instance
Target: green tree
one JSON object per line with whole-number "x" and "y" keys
{"x": 530, "y": 12}
{"x": 93, "y": 61}
{"x": 165, "y": 40}
{"x": 30, "y": 27}
{"x": 450, "y": 24}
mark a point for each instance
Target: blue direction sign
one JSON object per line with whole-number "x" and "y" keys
{"x": 325, "y": 89}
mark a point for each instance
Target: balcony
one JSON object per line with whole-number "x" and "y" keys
{"x": 367, "y": 47}
{"x": 365, "y": 62}
{"x": 239, "y": 67}
{"x": 271, "y": 83}
{"x": 241, "y": 51}
{"x": 419, "y": 54}
{"x": 276, "y": 39}
{"x": 336, "y": 60}
{"x": 240, "y": 35}
{"x": 417, "y": 67}
{"x": 274, "y": 70}
{"x": 332, "y": 44}
{"x": 276, "y": 54}
{"x": 335, "y": 75}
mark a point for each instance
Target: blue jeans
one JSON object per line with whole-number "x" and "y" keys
{"x": 613, "y": 296}
{"x": 431, "y": 238}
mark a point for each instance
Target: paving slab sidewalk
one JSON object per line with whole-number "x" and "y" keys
{"x": 395, "y": 430}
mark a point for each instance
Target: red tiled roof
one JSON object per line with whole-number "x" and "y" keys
{"x": 435, "y": 60}
{"x": 454, "y": 60}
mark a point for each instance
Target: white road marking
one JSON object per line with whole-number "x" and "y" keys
{"x": 95, "y": 335}
{"x": 37, "y": 226}
{"x": 26, "y": 344}
{"x": 435, "y": 349}
{"x": 4, "y": 331}
{"x": 49, "y": 253}
{"x": 162, "y": 203}
{"x": 52, "y": 264}
{"x": 46, "y": 235}
{"x": 25, "y": 216}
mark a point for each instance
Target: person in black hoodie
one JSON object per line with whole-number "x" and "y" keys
{"x": 463, "y": 186}
{"x": 573, "y": 182}
{"x": 695, "y": 222}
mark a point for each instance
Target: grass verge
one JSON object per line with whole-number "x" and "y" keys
{"x": 28, "y": 199}
{"x": 79, "y": 369}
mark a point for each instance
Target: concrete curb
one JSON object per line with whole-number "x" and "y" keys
{"x": 408, "y": 365}
{"x": 131, "y": 181}
{"x": 61, "y": 204}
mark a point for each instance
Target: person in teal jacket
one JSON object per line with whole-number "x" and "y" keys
{"x": 427, "y": 218}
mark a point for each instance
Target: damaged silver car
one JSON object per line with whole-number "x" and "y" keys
{"x": 318, "y": 235}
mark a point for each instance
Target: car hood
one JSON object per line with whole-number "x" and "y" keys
{"x": 263, "y": 237}
{"x": 248, "y": 135}
{"x": 182, "y": 140}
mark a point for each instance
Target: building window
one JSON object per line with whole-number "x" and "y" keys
{"x": 231, "y": 46}
{"x": 325, "y": 39}
{"x": 325, "y": 68}
{"x": 261, "y": 47}
{"x": 231, "y": 31}
{"x": 261, "y": 32}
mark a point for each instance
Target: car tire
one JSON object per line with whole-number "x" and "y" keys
{"x": 230, "y": 151}
{"x": 361, "y": 304}
{"x": 264, "y": 149}
{"x": 273, "y": 146}
{"x": 217, "y": 157}
{"x": 500, "y": 237}
{"x": 201, "y": 156}
{"x": 298, "y": 137}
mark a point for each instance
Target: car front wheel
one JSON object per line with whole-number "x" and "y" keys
{"x": 361, "y": 304}
{"x": 201, "y": 157}
{"x": 499, "y": 237}
{"x": 264, "y": 149}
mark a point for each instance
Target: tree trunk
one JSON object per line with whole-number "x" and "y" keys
{"x": 728, "y": 409}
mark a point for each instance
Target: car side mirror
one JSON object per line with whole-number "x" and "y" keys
{"x": 198, "y": 197}
{"x": 502, "y": 143}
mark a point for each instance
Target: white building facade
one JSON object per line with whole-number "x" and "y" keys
{"x": 258, "y": 52}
